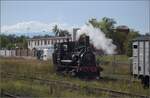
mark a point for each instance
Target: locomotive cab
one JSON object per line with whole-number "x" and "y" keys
{"x": 63, "y": 52}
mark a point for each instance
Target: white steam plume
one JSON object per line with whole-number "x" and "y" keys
{"x": 98, "y": 38}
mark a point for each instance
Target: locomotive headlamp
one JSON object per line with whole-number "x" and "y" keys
{"x": 74, "y": 57}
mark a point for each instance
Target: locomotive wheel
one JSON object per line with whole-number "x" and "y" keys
{"x": 145, "y": 82}
{"x": 72, "y": 73}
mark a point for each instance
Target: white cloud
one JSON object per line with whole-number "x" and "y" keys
{"x": 32, "y": 26}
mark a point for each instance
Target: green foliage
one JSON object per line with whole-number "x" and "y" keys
{"x": 12, "y": 41}
{"x": 128, "y": 44}
{"x": 24, "y": 89}
{"x": 106, "y": 25}
{"x": 56, "y": 30}
{"x": 59, "y": 32}
{"x": 110, "y": 58}
{"x": 122, "y": 39}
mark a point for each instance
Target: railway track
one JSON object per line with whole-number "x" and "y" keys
{"x": 72, "y": 86}
{"x": 5, "y": 94}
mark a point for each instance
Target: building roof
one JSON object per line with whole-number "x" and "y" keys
{"x": 124, "y": 27}
{"x": 142, "y": 38}
{"x": 52, "y": 37}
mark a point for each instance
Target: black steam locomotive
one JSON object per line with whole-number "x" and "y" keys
{"x": 76, "y": 58}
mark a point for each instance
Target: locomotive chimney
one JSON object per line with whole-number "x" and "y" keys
{"x": 74, "y": 33}
{"x": 87, "y": 41}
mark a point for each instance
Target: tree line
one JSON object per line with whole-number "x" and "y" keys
{"x": 122, "y": 36}
{"x": 12, "y": 41}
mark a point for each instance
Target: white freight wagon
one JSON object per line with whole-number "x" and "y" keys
{"x": 141, "y": 58}
{"x": 47, "y": 54}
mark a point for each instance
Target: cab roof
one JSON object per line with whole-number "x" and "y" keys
{"x": 142, "y": 38}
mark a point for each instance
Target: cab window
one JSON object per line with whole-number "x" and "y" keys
{"x": 135, "y": 46}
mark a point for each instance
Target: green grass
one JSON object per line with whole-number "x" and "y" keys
{"x": 24, "y": 88}
{"x": 44, "y": 70}
{"x": 112, "y": 68}
{"x": 110, "y": 58}
{"x": 32, "y": 89}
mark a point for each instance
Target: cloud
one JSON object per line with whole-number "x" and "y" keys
{"x": 32, "y": 26}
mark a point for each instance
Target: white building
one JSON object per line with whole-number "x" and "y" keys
{"x": 45, "y": 43}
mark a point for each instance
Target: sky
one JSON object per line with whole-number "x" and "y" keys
{"x": 34, "y": 16}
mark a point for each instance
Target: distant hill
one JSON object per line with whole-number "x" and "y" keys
{"x": 31, "y": 34}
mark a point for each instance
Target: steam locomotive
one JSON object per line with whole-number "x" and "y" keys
{"x": 76, "y": 58}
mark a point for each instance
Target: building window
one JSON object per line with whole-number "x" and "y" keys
{"x": 35, "y": 43}
{"x": 45, "y": 42}
{"x": 139, "y": 68}
{"x": 29, "y": 43}
{"x": 54, "y": 41}
{"x": 48, "y": 42}
{"x": 41, "y": 42}
{"x": 51, "y": 41}
{"x": 38, "y": 42}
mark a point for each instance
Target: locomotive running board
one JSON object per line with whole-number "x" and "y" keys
{"x": 67, "y": 61}
{"x": 67, "y": 66}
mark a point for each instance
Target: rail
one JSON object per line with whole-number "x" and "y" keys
{"x": 69, "y": 85}
{"x": 7, "y": 94}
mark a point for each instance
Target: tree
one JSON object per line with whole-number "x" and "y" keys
{"x": 106, "y": 25}
{"x": 121, "y": 35}
{"x": 64, "y": 33}
{"x": 10, "y": 41}
{"x": 120, "y": 39}
{"x": 128, "y": 44}
{"x": 3, "y": 41}
{"x": 94, "y": 22}
{"x": 56, "y": 30}
{"x": 59, "y": 32}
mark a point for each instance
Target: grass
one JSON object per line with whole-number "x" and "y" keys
{"x": 32, "y": 89}
{"x": 118, "y": 67}
{"x": 110, "y": 58}
{"x": 44, "y": 69}
{"x": 24, "y": 88}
